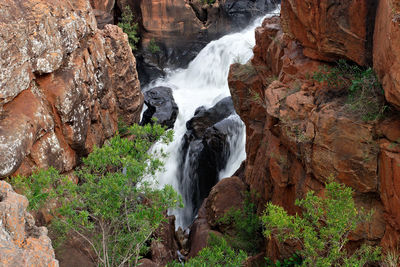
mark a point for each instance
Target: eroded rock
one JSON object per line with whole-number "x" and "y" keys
{"x": 329, "y": 30}
{"x": 21, "y": 242}
{"x": 299, "y": 133}
{"x": 387, "y": 49}
{"x": 63, "y": 84}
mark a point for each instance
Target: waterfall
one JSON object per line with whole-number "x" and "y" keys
{"x": 204, "y": 83}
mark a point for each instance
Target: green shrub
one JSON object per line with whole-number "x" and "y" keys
{"x": 129, "y": 27}
{"x": 293, "y": 261}
{"x": 323, "y": 228}
{"x": 114, "y": 208}
{"x": 39, "y": 187}
{"x": 217, "y": 254}
{"x": 210, "y": 2}
{"x": 365, "y": 93}
{"x": 245, "y": 225}
{"x": 153, "y": 47}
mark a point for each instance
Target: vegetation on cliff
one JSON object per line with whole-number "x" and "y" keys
{"x": 129, "y": 27}
{"x": 323, "y": 229}
{"x": 115, "y": 207}
{"x": 365, "y": 93}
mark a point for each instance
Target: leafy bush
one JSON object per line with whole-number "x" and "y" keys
{"x": 293, "y": 261}
{"x": 39, "y": 187}
{"x": 246, "y": 226}
{"x": 217, "y": 254}
{"x": 153, "y": 47}
{"x": 129, "y": 27}
{"x": 210, "y": 2}
{"x": 323, "y": 228}
{"x": 365, "y": 93}
{"x": 114, "y": 208}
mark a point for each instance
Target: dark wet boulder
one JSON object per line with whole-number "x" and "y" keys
{"x": 160, "y": 105}
{"x": 205, "y": 118}
{"x": 205, "y": 152}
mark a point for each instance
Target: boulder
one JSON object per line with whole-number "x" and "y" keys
{"x": 21, "y": 242}
{"x": 63, "y": 84}
{"x": 161, "y": 106}
{"x": 164, "y": 246}
{"x": 226, "y": 194}
{"x": 205, "y": 151}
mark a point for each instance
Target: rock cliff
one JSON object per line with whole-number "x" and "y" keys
{"x": 299, "y": 133}
{"x": 63, "y": 84}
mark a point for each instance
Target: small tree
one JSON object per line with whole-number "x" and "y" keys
{"x": 129, "y": 27}
{"x": 217, "y": 254}
{"x": 323, "y": 228}
{"x": 115, "y": 207}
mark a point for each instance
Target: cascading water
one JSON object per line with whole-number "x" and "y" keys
{"x": 204, "y": 83}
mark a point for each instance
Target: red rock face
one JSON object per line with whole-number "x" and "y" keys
{"x": 329, "y": 30}
{"x": 298, "y": 134}
{"x": 63, "y": 84}
{"x": 21, "y": 242}
{"x": 387, "y": 49}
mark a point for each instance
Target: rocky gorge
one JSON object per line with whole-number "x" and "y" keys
{"x": 67, "y": 77}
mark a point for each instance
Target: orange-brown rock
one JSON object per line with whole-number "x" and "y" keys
{"x": 387, "y": 49}
{"x": 226, "y": 194}
{"x": 300, "y": 133}
{"x": 164, "y": 246}
{"x": 21, "y": 242}
{"x": 63, "y": 84}
{"x": 329, "y": 30}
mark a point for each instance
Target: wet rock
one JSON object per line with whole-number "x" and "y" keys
{"x": 21, "y": 242}
{"x": 205, "y": 151}
{"x": 161, "y": 106}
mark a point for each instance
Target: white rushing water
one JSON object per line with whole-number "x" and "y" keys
{"x": 204, "y": 83}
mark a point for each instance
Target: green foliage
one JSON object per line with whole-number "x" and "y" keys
{"x": 123, "y": 128}
{"x": 153, "y": 47}
{"x": 210, "y": 2}
{"x": 245, "y": 225}
{"x": 293, "y": 261}
{"x": 365, "y": 93}
{"x": 129, "y": 27}
{"x": 115, "y": 207}
{"x": 323, "y": 228}
{"x": 39, "y": 187}
{"x": 217, "y": 254}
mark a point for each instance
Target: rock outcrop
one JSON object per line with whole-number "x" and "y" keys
{"x": 63, "y": 84}
{"x": 387, "y": 49}
{"x": 329, "y": 30}
{"x": 22, "y": 244}
{"x": 205, "y": 152}
{"x": 161, "y": 105}
{"x": 227, "y": 194}
{"x": 299, "y": 133}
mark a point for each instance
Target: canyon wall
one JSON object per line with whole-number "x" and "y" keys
{"x": 299, "y": 132}
{"x": 180, "y": 28}
{"x": 63, "y": 84}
